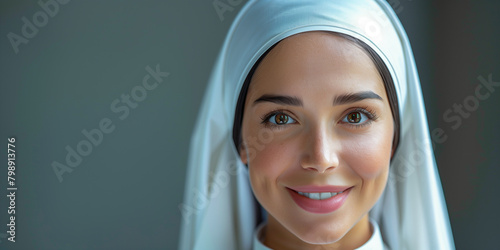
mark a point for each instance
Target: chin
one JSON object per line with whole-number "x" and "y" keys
{"x": 320, "y": 235}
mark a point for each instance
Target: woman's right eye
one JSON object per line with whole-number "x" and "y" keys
{"x": 279, "y": 119}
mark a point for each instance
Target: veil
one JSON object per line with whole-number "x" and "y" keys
{"x": 219, "y": 210}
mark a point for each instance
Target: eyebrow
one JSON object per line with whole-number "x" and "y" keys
{"x": 355, "y": 97}
{"x": 339, "y": 100}
{"x": 279, "y": 99}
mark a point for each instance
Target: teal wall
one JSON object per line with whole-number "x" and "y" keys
{"x": 125, "y": 193}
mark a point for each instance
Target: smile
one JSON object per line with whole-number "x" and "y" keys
{"x": 319, "y": 199}
{"x": 319, "y": 196}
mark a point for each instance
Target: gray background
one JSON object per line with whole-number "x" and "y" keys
{"x": 125, "y": 194}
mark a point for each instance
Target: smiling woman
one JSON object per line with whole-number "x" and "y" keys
{"x": 328, "y": 136}
{"x": 320, "y": 95}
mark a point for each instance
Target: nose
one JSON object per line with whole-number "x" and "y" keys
{"x": 321, "y": 152}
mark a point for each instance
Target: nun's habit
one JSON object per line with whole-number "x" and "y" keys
{"x": 219, "y": 211}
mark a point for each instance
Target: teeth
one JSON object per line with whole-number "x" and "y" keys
{"x": 323, "y": 196}
{"x": 319, "y": 196}
{"x": 314, "y": 196}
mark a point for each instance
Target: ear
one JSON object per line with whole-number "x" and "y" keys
{"x": 243, "y": 153}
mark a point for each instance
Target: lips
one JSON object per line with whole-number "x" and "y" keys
{"x": 319, "y": 189}
{"x": 319, "y": 199}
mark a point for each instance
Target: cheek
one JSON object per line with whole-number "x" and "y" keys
{"x": 268, "y": 163}
{"x": 369, "y": 155}
{"x": 267, "y": 166}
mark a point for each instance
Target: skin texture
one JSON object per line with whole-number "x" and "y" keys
{"x": 318, "y": 143}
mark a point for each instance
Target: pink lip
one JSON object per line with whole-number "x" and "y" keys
{"x": 319, "y": 189}
{"x": 319, "y": 206}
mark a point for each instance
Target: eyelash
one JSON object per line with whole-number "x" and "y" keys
{"x": 265, "y": 118}
{"x": 370, "y": 114}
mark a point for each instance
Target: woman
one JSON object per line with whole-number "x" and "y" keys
{"x": 314, "y": 108}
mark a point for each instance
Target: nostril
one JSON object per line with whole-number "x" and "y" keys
{"x": 321, "y": 149}
{"x": 318, "y": 168}
{"x": 320, "y": 161}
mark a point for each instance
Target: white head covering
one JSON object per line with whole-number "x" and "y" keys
{"x": 219, "y": 211}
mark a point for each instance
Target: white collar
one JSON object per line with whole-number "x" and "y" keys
{"x": 374, "y": 243}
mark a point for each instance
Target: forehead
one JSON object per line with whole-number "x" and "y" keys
{"x": 316, "y": 60}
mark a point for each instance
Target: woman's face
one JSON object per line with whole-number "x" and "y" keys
{"x": 317, "y": 121}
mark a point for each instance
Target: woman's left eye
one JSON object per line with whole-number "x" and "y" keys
{"x": 355, "y": 117}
